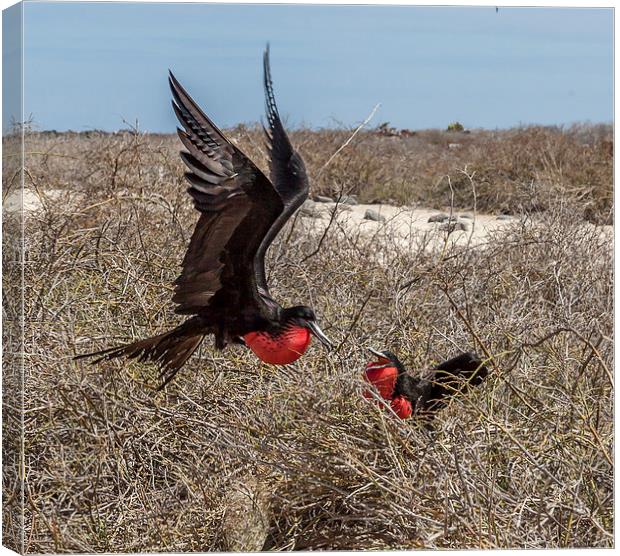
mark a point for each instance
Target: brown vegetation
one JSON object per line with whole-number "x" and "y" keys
{"x": 515, "y": 170}
{"x": 523, "y": 461}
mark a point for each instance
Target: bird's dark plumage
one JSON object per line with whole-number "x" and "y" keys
{"x": 238, "y": 206}
{"x": 429, "y": 391}
{"x": 222, "y": 284}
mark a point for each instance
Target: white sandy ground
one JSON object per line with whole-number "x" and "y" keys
{"x": 409, "y": 229}
{"x": 13, "y": 201}
{"x": 404, "y": 227}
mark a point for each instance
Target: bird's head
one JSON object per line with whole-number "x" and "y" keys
{"x": 386, "y": 357}
{"x": 303, "y": 316}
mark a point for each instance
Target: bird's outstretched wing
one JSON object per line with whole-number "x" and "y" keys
{"x": 288, "y": 172}
{"x": 287, "y": 169}
{"x": 238, "y": 207}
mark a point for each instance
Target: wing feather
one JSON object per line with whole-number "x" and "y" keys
{"x": 238, "y": 206}
{"x": 287, "y": 170}
{"x": 241, "y": 210}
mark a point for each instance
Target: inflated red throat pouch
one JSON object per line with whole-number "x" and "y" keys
{"x": 279, "y": 349}
{"x": 402, "y": 407}
{"x": 382, "y": 375}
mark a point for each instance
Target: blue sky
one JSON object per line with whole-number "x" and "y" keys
{"x": 91, "y": 65}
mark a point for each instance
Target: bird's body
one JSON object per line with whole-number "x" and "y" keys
{"x": 222, "y": 284}
{"x": 426, "y": 393}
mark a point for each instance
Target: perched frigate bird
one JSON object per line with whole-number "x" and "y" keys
{"x": 223, "y": 285}
{"x": 427, "y": 393}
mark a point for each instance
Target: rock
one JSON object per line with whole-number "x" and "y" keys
{"x": 440, "y": 217}
{"x": 341, "y": 208}
{"x": 467, "y": 215}
{"x": 374, "y": 216}
{"x": 383, "y": 201}
{"x": 322, "y": 199}
{"x": 348, "y": 200}
{"x": 247, "y": 516}
{"x": 310, "y": 209}
{"x": 503, "y": 217}
{"x": 454, "y": 145}
{"x": 457, "y": 226}
{"x": 443, "y": 217}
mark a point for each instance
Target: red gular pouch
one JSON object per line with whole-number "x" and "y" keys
{"x": 402, "y": 407}
{"x": 282, "y": 348}
{"x": 382, "y": 375}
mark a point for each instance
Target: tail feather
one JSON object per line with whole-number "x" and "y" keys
{"x": 169, "y": 350}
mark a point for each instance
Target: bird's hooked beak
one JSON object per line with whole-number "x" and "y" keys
{"x": 377, "y": 353}
{"x": 384, "y": 361}
{"x": 319, "y": 334}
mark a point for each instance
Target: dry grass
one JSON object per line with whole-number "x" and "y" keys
{"x": 112, "y": 465}
{"x": 521, "y": 169}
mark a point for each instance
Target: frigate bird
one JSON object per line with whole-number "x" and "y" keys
{"x": 222, "y": 285}
{"x": 424, "y": 394}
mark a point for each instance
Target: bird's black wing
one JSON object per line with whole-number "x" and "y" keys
{"x": 430, "y": 392}
{"x": 238, "y": 207}
{"x": 455, "y": 376}
{"x": 287, "y": 169}
{"x": 466, "y": 367}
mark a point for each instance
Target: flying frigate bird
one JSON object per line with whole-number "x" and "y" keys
{"x": 222, "y": 286}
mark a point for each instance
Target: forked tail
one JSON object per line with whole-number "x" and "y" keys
{"x": 169, "y": 350}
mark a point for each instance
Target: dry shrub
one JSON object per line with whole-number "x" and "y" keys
{"x": 518, "y": 169}
{"x": 112, "y": 465}
{"x": 12, "y": 347}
